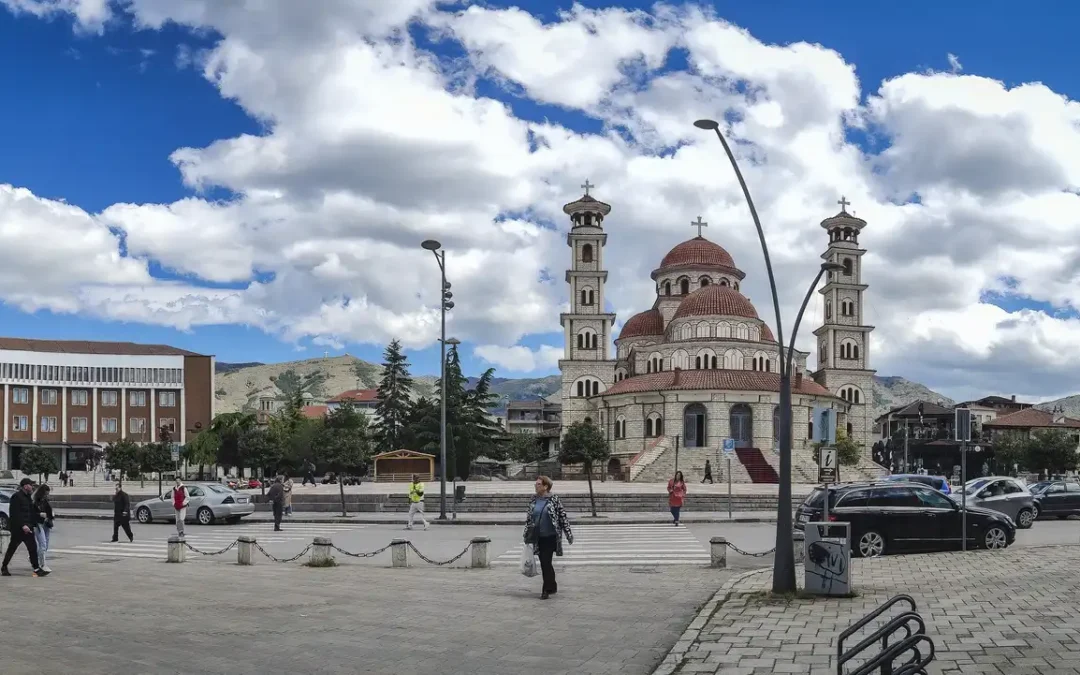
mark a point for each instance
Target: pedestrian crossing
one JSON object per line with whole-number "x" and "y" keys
{"x": 630, "y": 545}
{"x": 209, "y": 539}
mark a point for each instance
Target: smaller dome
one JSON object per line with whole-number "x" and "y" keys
{"x": 716, "y": 300}
{"x": 649, "y": 322}
{"x": 698, "y": 251}
{"x": 767, "y": 334}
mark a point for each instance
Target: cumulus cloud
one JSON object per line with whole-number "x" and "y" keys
{"x": 371, "y": 144}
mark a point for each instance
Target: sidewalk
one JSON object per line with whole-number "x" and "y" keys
{"x": 512, "y": 518}
{"x": 991, "y": 612}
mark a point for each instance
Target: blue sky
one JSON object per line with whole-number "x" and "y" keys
{"x": 92, "y": 119}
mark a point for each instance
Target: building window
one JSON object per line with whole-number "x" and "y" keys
{"x": 137, "y": 399}
{"x": 828, "y": 310}
{"x": 849, "y": 430}
{"x": 703, "y": 282}
{"x": 48, "y": 424}
{"x": 137, "y": 425}
{"x": 654, "y": 425}
{"x": 79, "y": 397}
{"x": 847, "y": 308}
{"x": 684, "y": 286}
{"x": 48, "y": 397}
{"x": 109, "y": 399}
{"x": 20, "y": 395}
{"x": 167, "y": 423}
{"x": 586, "y": 253}
{"x": 667, "y": 288}
{"x": 586, "y": 339}
{"x": 78, "y": 425}
{"x": 167, "y": 399}
{"x": 851, "y": 395}
{"x": 849, "y": 350}
{"x": 108, "y": 425}
{"x": 19, "y": 423}
{"x": 588, "y": 297}
{"x": 847, "y": 267}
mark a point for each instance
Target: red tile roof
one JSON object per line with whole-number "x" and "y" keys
{"x": 649, "y": 322}
{"x": 716, "y": 300}
{"x": 356, "y": 396}
{"x": 698, "y": 251}
{"x": 91, "y": 347}
{"x": 1032, "y": 418}
{"x": 314, "y": 412}
{"x": 767, "y": 334}
{"x": 734, "y": 380}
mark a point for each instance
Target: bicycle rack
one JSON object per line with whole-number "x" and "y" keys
{"x": 883, "y": 661}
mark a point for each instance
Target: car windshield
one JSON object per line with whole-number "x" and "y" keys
{"x": 974, "y": 486}
{"x": 1039, "y": 487}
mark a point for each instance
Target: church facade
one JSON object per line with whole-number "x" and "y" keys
{"x": 700, "y": 365}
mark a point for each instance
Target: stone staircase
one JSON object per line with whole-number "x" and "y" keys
{"x": 643, "y": 459}
{"x": 692, "y": 464}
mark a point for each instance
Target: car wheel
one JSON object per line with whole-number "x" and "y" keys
{"x": 995, "y": 538}
{"x": 1035, "y": 515}
{"x": 143, "y": 515}
{"x": 871, "y": 545}
{"x": 1025, "y": 519}
{"x": 205, "y": 516}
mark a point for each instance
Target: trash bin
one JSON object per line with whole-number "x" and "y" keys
{"x": 459, "y": 493}
{"x": 828, "y": 558}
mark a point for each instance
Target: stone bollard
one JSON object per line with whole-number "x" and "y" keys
{"x": 320, "y": 551}
{"x": 177, "y": 550}
{"x": 797, "y": 541}
{"x": 719, "y": 552}
{"x": 480, "y": 559}
{"x": 399, "y": 553}
{"x": 244, "y": 549}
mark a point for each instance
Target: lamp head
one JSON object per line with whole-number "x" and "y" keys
{"x": 453, "y": 342}
{"x": 708, "y": 125}
{"x": 431, "y": 245}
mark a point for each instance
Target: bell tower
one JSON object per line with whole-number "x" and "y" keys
{"x": 587, "y": 367}
{"x": 843, "y": 349}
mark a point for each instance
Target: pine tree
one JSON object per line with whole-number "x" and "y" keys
{"x": 393, "y": 404}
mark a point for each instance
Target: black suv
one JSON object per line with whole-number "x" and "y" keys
{"x": 905, "y": 517}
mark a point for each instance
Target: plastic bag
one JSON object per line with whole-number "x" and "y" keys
{"x": 529, "y": 563}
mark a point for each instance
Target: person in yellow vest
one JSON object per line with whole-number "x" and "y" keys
{"x": 416, "y": 502}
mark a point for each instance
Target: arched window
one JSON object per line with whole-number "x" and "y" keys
{"x": 586, "y": 253}
{"x": 667, "y": 288}
{"x": 654, "y": 425}
{"x": 824, "y": 355}
{"x": 851, "y": 394}
{"x": 736, "y": 285}
{"x": 684, "y": 286}
{"x": 828, "y": 310}
{"x": 586, "y": 339}
{"x": 680, "y": 359}
{"x": 588, "y": 420}
{"x": 703, "y": 282}
{"x": 723, "y": 281}
{"x": 743, "y": 332}
{"x": 620, "y": 375}
{"x": 755, "y": 333}
{"x": 620, "y": 427}
{"x": 686, "y": 332}
{"x": 849, "y": 430}
{"x": 723, "y": 329}
{"x": 733, "y": 360}
{"x": 760, "y": 362}
{"x": 588, "y": 297}
{"x": 847, "y": 267}
{"x": 655, "y": 363}
{"x": 847, "y": 308}
{"x": 702, "y": 330}
{"x": 705, "y": 359}
{"x": 849, "y": 349}
{"x": 587, "y": 386}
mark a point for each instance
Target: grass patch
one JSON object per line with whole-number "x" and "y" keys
{"x": 329, "y": 562}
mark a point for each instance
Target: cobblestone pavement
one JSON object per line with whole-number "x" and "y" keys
{"x": 1009, "y": 612}
{"x": 126, "y": 616}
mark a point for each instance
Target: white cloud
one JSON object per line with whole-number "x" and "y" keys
{"x": 371, "y": 145}
{"x": 89, "y": 15}
{"x": 954, "y": 63}
{"x": 520, "y": 359}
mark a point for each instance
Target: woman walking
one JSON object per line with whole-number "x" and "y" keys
{"x": 121, "y": 514}
{"x": 288, "y": 485}
{"x": 44, "y": 524}
{"x": 676, "y": 489}
{"x": 545, "y": 525}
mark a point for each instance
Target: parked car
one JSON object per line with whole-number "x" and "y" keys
{"x": 207, "y": 503}
{"x": 939, "y": 483}
{"x": 254, "y": 483}
{"x": 890, "y": 517}
{"x": 1059, "y": 498}
{"x": 5, "y": 501}
{"x": 1003, "y": 494}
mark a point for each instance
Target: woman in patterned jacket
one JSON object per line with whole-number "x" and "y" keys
{"x": 545, "y": 525}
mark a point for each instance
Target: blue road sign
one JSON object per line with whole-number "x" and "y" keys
{"x": 729, "y": 446}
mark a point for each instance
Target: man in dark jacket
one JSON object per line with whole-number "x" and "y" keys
{"x": 21, "y": 521}
{"x": 276, "y": 497}
{"x": 121, "y": 514}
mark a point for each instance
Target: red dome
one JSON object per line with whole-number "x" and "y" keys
{"x": 648, "y": 322}
{"x": 716, "y": 300}
{"x": 698, "y": 252}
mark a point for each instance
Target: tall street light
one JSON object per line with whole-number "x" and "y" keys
{"x": 784, "y": 560}
{"x": 446, "y": 304}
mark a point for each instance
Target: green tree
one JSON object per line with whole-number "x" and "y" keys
{"x": 39, "y": 460}
{"x": 202, "y": 450}
{"x": 393, "y": 404}
{"x": 1010, "y": 449}
{"x": 259, "y": 449}
{"x": 156, "y": 457}
{"x": 1053, "y": 450}
{"x": 584, "y": 443}
{"x": 343, "y": 444}
{"x": 525, "y": 448}
{"x": 848, "y": 452}
{"x": 293, "y": 434}
{"x": 292, "y": 384}
{"x": 123, "y": 456}
{"x": 229, "y": 427}
{"x": 421, "y": 432}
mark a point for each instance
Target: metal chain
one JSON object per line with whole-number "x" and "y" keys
{"x": 437, "y": 563}
{"x": 360, "y": 555}
{"x": 746, "y": 553}
{"x": 224, "y": 550}
{"x": 281, "y": 560}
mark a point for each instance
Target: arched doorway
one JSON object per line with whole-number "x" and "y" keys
{"x": 614, "y": 469}
{"x": 742, "y": 425}
{"x": 694, "y": 416}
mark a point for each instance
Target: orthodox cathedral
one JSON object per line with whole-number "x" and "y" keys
{"x": 701, "y": 366}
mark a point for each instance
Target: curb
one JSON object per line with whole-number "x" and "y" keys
{"x": 674, "y": 659}
{"x": 585, "y": 520}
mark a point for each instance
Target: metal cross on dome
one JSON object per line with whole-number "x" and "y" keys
{"x": 698, "y": 224}
{"x": 587, "y": 187}
{"x": 844, "y": 203}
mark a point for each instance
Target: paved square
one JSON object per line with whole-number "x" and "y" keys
{"x": 625, "y": 545}
{"x": 998, "y": 613}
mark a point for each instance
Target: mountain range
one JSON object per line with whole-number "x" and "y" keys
{"x": 240, "y": 385}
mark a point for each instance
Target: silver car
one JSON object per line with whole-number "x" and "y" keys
{"x": 5, "y": 500}
{"x": 207, "y": 503}
{"x": 1003, "y": 494}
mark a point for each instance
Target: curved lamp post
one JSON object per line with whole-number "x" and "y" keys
{"x": 784, "y": 560}
{"x": 446, "y": 305}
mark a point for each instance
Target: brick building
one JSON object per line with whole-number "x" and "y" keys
{"x": 74, "y": 395}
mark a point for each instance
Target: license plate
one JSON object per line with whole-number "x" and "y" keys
{"x": 242, "y": 500}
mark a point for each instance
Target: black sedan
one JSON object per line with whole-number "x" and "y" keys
{"x": 905, "y": 518}
{"x": 1058, "y": 498}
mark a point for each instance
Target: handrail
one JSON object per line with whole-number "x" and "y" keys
{"x": 915, "y": 664}
{"x": 883, "y": 634}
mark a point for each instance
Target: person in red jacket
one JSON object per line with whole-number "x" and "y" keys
{"x": 180, "y": 502}
{"x": 676, "y": 489}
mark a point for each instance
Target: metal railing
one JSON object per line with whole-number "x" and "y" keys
{"x": 911, "y": 622}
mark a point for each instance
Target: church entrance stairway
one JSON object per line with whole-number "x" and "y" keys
{"x": 757, "y": 467}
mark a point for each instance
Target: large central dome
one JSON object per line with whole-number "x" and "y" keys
{"x": 698, "y": 251}
{"x": 716, "y": 300}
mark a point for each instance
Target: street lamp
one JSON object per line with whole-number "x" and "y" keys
{"x": 446, "y": 304}
{"x": 784, "y": 560}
